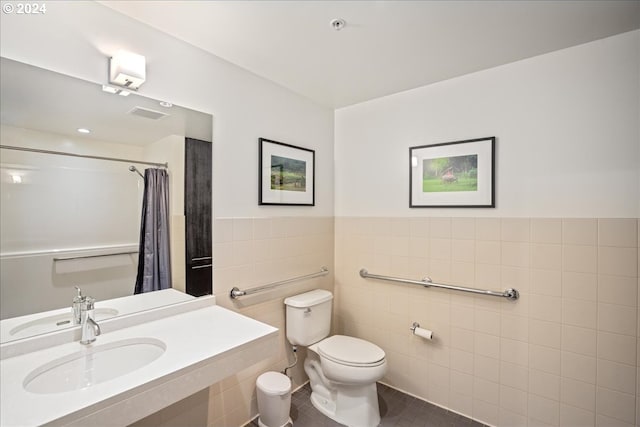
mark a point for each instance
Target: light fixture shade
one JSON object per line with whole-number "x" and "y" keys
{"x": 127, "y": 69}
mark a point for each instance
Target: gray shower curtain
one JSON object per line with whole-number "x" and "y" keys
{"x": 154, "y": 258}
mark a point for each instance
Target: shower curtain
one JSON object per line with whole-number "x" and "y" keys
{"x": 154, "y": 260}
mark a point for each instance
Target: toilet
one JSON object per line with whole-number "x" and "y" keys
{"x": 342, "y": 370}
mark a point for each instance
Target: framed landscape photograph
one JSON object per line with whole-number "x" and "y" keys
{"x": 457, "y": 174}
{"x": 286, "y": 174}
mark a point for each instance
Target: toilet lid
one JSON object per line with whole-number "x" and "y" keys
{"x": 350, "y": 350}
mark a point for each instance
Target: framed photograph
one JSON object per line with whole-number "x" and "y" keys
{"x": 457, "y": 174}
{"x": 286, "y": 174}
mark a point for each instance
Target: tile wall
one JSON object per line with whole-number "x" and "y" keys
{"x": 250, "y": 252}
{"x": 564, "y": 354}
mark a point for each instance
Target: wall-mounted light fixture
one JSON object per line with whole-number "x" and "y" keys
{"x": 127, "y": 69}
{"x": 115, "y": 90}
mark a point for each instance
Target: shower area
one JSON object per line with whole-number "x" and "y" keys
{"x": 71, "y": 220}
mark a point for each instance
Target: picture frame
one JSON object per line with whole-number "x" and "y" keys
{"x": 286, "y": 174}
{"x": 458, "y": 174}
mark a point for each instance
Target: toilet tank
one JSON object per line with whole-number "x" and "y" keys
{"x": 308, "y": 317}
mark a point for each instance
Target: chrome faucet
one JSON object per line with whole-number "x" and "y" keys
{"x": 75, "y": 307}
{"x": 88, "y": 326}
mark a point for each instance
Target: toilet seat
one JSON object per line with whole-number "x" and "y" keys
{"x": 351, "y": 351}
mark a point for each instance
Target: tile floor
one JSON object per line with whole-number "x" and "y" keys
{"x": 396, "y": 409}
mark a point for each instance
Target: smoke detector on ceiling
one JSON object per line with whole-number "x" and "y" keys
{"x": 338, "y": 24}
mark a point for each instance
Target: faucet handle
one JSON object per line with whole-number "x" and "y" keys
{"x": 88, "y": 303}
{"x": 78, "y": 297}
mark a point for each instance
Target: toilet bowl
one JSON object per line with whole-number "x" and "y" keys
{"x": 349, "y": 360}
{"x": 343, "y": 384}
{"x": 342, "y": 370}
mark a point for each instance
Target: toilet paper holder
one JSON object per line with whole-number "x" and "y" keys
{"x": 423, "y": 333}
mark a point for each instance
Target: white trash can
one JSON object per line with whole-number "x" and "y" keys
{"x": 274, "y": 399}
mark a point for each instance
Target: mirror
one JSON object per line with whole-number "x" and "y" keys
{"x": 74, "y": 220}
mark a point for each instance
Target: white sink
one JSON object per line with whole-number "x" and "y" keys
{"x": 93, "y": 365}
{"x": 55, "y": 322}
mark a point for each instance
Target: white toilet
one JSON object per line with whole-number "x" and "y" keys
{"x": 342, "y": 370}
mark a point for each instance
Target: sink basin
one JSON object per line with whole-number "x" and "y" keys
{"x": 55, "y": 322}
{"x": 93, "y": 365}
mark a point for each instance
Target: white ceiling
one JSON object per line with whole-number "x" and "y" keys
{"x": 387, "y": 46}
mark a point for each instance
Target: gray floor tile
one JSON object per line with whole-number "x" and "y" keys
{"x": 397, "y": 409}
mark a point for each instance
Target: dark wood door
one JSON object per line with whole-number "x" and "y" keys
{"x": 197, "y": 211}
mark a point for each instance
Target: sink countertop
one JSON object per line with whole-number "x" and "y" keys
{"x": 123, "y": 306}
{"x": 203, "y": 347}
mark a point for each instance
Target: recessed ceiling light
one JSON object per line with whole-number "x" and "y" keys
{"x": 83, "y": 130}
{"x": 166, "y": 104}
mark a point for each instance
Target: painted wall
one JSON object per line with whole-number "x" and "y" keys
{"x": 566, "y": 125}
{"x": 564, "y": 233}
{"x": 77, "y": 38}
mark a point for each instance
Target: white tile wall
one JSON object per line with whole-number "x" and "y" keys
{"x": 250, "y": 252}
{"x": 564, "y": 354}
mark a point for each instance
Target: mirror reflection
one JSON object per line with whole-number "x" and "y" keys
{"x": 73, "y": 164}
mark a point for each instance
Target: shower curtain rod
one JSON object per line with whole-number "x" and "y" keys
{"x": 85, "y": 156}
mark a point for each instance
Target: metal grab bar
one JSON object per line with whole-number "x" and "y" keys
{"x": 69, "y": 258}
{"x": 235, "y": 292}
{"x": 511, "y": 294}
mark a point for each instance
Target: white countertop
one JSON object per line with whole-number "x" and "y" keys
{"x": 195, "y": 342}
{"x": 122, "y": 306}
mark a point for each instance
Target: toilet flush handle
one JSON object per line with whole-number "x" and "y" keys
{"x": 307, "y": 310}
